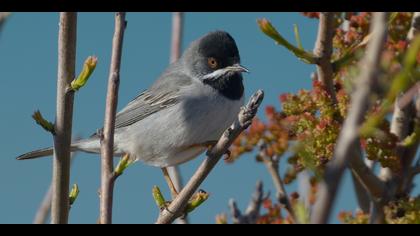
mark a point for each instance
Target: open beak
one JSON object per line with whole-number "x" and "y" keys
{"x": 237, "y": 68}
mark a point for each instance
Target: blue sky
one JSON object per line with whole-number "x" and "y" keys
{"x": 28, "y": 66}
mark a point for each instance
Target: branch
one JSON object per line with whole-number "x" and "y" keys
{"x": 366, "y": 177}
{"x": 253, "y": 211}
{"x": 323, "y": 51}
{"x": 63, "y": 125}
{"x": 272, "y": 164}
{"x": 348, "y": 137}
{"x": 107, "y": 138}
{"x": 402, "y": 124}
{"x": 44, "y": 208}
{"x": 245, "y": 116}
{"x": 176, "y": 41}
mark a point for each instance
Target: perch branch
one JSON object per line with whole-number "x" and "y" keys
{"x": 107, "y": 138}
{"x": 348, "y": 138}
{"x": 245, "y": 116}
{"x": 63, "y": 125}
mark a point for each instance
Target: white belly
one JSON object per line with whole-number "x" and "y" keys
{"x": 165, "y": 138}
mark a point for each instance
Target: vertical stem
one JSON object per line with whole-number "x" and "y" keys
{"x": 63, "y": 125}
{"x": 176, "y": 41}
{"x": 323, "y": 51}
{"x": 177, "y": 28}
{"x": 107, "y": 138}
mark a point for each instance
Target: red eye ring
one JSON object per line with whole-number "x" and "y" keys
{"x": 212, "y": 62}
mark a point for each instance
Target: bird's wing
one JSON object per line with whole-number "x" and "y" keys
{"x": 164, "y": 93}
{"x": 144, "y": 105}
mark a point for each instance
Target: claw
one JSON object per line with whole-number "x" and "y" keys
{"x": 228, "y": 155}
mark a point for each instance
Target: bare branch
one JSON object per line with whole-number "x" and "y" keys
{"x": 176, "y": 41}
{"x": 63, "y": 125}
{"x": 272, "y": 164}
{"x": 323, "y": 50}
{"x": 44, "y": 208}
{"x": 377, "y": 215}
{"x": 367, "y": 178}
{"x": 253, "y": 211}
{"x": 177, "y": 29}
{"x": 245, "y": 116}
{"x": 348, "y": 138}
{"x": 107, "y": 138}
{"x": 402, "y": 124}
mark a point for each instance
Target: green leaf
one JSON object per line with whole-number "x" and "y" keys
{"x": 301, "y": 212}
{"x": 196, "y": 200}
{"x": 74, "y": 193}
{"x": 123, "y": 164}
{"x": 88, "y": 68}
{"x": 297, "y": 36}
{"x": 46, "y": 125}
{"x": 159, "y": 199}
{"x": 412, "y": 138}
{"x": 268, "y": 29}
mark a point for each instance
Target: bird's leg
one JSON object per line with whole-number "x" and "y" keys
{"x": 171, "y": 185}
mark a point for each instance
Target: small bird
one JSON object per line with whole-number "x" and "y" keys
{"x": 183, "y": 113}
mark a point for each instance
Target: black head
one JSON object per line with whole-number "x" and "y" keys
{"x": 214, "y": 59}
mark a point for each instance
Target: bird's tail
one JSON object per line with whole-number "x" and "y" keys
{"x": 36, "y": 154}
{"x": 90, "y": 145}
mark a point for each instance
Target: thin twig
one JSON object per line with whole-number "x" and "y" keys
{"x": 176, "y": 41}
{"x": 245, "y": 116}
{"x": 107, "y": 138}
{"x": 63, "y": 124}
{"x": 323, "y": 51}
{"x": 44, "y": 208}
{"x": 272, "y": 164}
{"x": 253, "y": 210}
{"x": 177, "y": 30}
{"x": 348, "y": 138}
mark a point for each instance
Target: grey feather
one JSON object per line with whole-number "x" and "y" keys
{"x": 163, "y": 93}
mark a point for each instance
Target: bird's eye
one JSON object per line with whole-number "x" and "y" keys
{"x": 212, "y": 62}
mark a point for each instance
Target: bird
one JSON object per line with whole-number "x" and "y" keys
{"x": 183, "y": 113}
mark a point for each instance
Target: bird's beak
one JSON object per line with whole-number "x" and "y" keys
{"x": 237, "y": 68}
